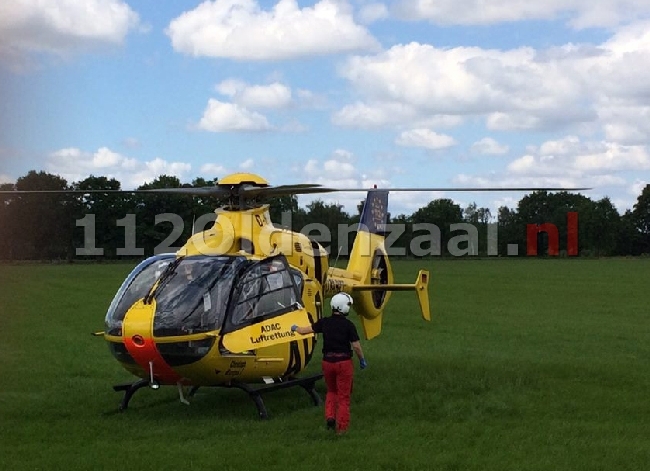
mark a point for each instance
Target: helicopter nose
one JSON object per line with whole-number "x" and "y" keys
{"x": 137, "y": 334}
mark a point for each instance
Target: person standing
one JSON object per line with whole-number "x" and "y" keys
{"x": 340, "y": 339}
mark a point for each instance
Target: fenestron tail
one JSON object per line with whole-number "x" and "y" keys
{"x": 369, "y": 276}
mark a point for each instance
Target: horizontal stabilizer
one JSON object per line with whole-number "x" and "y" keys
{"x": 421, "y": 288}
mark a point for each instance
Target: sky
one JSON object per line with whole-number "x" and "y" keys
{"x": 345, "y": 93}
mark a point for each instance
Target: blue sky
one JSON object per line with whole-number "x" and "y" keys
{"x": 349, "y": 94}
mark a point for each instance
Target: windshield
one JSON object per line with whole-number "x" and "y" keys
{"x": 134, "y": 288}
{"x": 194, "y": 296}
{"x": 267, "y": 288}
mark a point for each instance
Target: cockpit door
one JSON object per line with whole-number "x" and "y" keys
{"x": 264, "y": 306}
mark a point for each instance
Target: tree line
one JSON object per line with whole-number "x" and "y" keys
{"x": 55, "y": 226}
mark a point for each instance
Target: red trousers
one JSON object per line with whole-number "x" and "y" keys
{"x": 338, "y": 378}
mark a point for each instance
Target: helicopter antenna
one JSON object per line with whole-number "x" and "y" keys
{"x": 338, "y": 255}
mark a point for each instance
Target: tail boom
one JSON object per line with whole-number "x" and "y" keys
{"x": 368, "y": 277}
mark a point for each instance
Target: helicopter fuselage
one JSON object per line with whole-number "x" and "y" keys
{"x": 222, "y": 307}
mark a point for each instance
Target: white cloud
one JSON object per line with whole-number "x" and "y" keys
{"x": 74, "y": 165}
{"x": 516, "y": 181}
{"x": 223, "y": 117}
{"x": 570, "y": 156}
{"x": 230, "y": 87}
{"x": 574, "y": 87}
{"x": 637, "y": 187}
{"x": 294, "y": 127}
{"x": 564, "y": 146}
{"x": 309, "y": 99}
{"x": 572, "y": 163}
{"x": 374, "y": 114}
{"x": 425, "y": 138}
{"x": 131, "y": 142}
{"x": 247, "y": 164}
{"x": 343, "y": 154}
{"x": 62, "y": 27}
{"x": 214, "y": 170}
{"x": 487, "y": 145}
{"x": 627, "y": 124}
{"x": 337, "y": 171}
{"x": 372, "y": 12}
{"x": 415, "y": 81}
{"x": 407, "y": 202}
{"x": 274, "y": 95}
{"x": 579, "y": 13}
{"x": 240, "y": 29}
{"x": 612, "y": 156}
{"x": 331, "y": 173}
{"x": 6, "y": 179}
{"x": 156, "y": 167}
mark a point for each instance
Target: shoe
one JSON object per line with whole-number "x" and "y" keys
{"x": 341, "y": 432}
{"x": 331, "y": 424}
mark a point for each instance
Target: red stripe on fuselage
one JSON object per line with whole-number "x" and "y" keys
{"x": 145, "y": 352}
{"x": 137, "y": 331}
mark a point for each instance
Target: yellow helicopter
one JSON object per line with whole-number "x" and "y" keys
{"x": 219, "y": 311}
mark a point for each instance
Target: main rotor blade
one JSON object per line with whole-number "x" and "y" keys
{"x": 282, "y": 190}
{"x": 200, "y": 191}
{"x": 460, "y": 189}
{"x": 62, "y": 192}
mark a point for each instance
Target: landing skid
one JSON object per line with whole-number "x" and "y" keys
{"x": 254, "y": 391}
{"x": 129, "y": 390}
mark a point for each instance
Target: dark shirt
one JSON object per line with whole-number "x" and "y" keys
{"x": 338, "y": 333}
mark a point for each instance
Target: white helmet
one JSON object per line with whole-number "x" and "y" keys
{"x": 341, "y": 302}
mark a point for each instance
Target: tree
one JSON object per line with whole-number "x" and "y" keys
{"x": 599, "y": 224}
{"x": 402, "y": 244}
{"x": 41, "y": 227}
{"x": 511, "y": 230}
{"x": 283, "y": 210}
{"x": 441, "y": 213}
{"x": 629, "y": 238}
{"x": 541, "y": 207}
{"x": 334, "y": 219}
{"x": 6, "y": 223}
{"x": 479, "y": 218}
{"x": 641, "y": 218}
{"x": 100, "y": 214}
{"x": 164, "y": 221}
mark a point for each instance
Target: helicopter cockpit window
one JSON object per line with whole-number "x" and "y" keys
{"x": 297, "y": 279}
{"x": 266, "y": 288}
{"x": 194, "y": 297}
{"x": 134, "y": 288}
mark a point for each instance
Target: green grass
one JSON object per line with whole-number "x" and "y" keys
{"x": 527, "y": 365}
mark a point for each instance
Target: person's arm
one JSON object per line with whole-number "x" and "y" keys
{"x": 302, "y": 330}
{"x": 356, "y": 346}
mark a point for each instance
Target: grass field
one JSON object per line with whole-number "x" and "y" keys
{"x": 527, "y": 365}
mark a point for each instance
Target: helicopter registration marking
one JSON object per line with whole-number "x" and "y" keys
{"x": 333, "y": 285}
